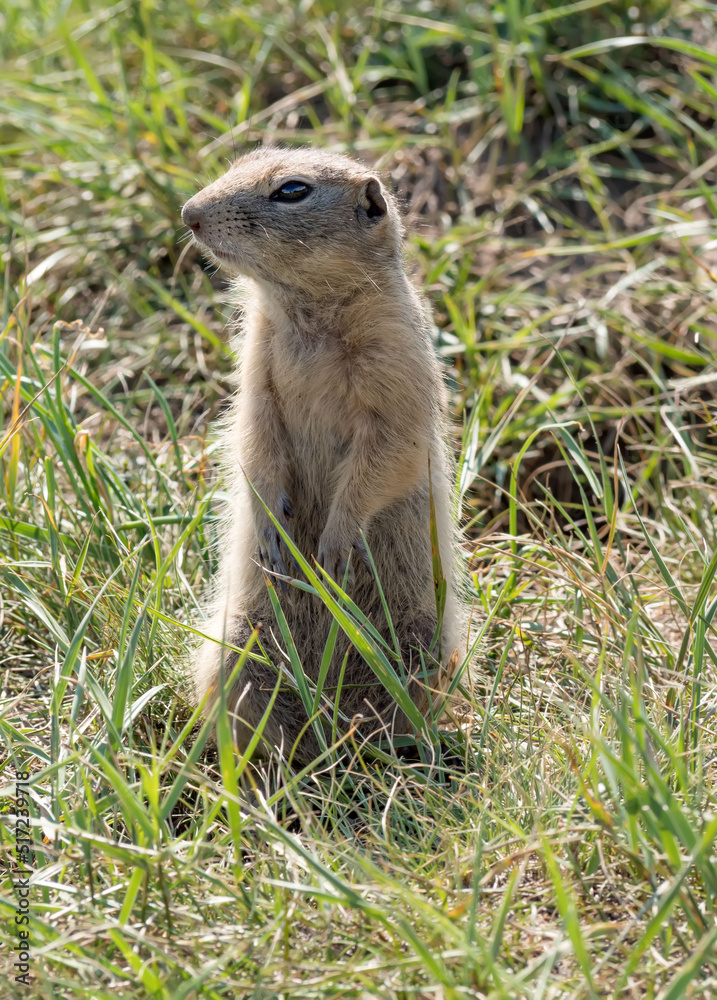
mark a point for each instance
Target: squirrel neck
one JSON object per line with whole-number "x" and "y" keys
{"x": 310, "y": 316}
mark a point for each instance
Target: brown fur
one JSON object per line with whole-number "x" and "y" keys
{"x": 340, "y": 404}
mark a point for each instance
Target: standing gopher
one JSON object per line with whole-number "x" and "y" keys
{"x": 341, "y": 405}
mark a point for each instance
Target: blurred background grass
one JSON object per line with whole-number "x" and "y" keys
{"x": 558, "y": 167}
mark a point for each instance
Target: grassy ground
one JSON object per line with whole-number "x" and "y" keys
{"x": 559, "y": 166}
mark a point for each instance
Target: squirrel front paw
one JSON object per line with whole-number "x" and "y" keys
{"x": 271, "y": 545}
{"x": 336, "y": 545}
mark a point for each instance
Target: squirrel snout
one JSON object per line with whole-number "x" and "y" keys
{"x": 192, "y": 216}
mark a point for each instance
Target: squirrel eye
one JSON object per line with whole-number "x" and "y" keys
{"x": 291, "y": 191}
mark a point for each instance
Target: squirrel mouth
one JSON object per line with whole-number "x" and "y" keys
{"x": 223, "y": 255}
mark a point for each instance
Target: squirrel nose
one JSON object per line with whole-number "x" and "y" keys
{"x": 192, "y": 216}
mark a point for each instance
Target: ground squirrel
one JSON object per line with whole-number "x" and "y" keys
{"x": 341, "y": 404}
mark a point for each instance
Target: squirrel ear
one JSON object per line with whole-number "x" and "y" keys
{"x": 373, "y": 200}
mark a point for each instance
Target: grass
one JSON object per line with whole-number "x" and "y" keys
{"x": 558, "y": 840}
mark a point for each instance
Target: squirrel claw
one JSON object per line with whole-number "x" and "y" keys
{"x": 270, "y": 554}
{"x": 338, "y": 563}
